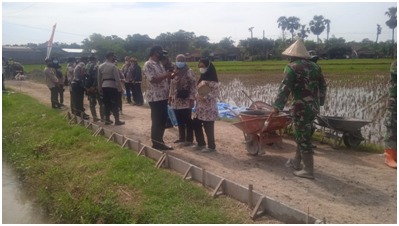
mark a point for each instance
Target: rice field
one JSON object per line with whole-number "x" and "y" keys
{"x": 362, "y": 96}
{"x": 366, "y": 103}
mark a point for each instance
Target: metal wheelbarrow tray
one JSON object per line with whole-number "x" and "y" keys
{"x": 260, "y": 129}
{"x": 341, "y": 129}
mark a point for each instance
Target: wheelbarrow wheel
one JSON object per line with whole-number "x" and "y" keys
{"x": 352, "y": 140}
{"x": 252, "y": 144}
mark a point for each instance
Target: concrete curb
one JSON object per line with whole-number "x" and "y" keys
{"x": 220, "y": 185}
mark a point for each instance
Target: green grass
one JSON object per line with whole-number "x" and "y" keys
{"x": 329, "y": 67}
{"x": 79, "y": 178}
{"x": 345, "y": 71}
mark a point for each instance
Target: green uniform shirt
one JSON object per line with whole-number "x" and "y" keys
{"x": 304, "y": 80}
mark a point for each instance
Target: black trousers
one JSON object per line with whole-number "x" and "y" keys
{"x": 119, "y": 103}
{"x": 54, "y": 97}
{"x": 61, "y": 93}
{"x": 137, "y": 94}
{"x": 110, "y": 100}
{"x": 209, "y": 127}
{"x": 159, "y": 113}
{"x": 129, "y": 92}
{"x": 185, "y": 125}
{"x": 78, "y": 94}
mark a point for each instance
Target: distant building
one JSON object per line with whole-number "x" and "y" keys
{"x": 27, "y": 55}
{"x": 193, "y": 56}
{"x": 23, "y": 55}
{"x": 227, "y": 55}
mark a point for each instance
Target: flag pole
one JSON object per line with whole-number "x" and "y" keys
{"x": 50, "y": 42}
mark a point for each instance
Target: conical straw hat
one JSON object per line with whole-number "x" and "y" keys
{"x": 297, "y": 49}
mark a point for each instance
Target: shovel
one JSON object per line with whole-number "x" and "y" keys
{"x": 259, "y": 105}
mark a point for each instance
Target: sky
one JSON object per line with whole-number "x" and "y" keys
{"x": 32, "y": 22}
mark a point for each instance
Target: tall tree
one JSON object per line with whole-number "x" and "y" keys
{"x": 304, "y": 32}
{"x": 226, "y": 43}
{"x": 138, "y": 43}
{"x": 379, "y": 29}
{"x": 392, "y": 23}
{"x": 317, "y": 26}
{"x": 103, "y": 44}
{"x": 282, "y": 23}
{"x": 293, "y": 25}
{"x": 327, "y": 22}
{"x": 201, "y": 42}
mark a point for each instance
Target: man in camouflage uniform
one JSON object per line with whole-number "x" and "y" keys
{"x": 91, "y": 84}
{"x": 390, "y": 121}
{"x": 304, "y": 80}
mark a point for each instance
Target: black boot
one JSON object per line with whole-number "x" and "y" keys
{"x": 117, "y": 121}
{"x": 108, "y": 120}
{"x": 307, "y": 171}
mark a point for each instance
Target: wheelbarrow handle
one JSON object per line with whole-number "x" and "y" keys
{"x": 266, "y": 124}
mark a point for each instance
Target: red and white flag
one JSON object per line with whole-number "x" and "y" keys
{"x": 50, "y": 42}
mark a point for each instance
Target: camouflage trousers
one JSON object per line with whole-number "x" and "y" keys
{"x": 95, "y": 98}
{"x": 303, "y": 122}
{"x": 390, "y": 136}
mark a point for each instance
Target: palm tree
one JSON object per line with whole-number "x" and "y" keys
{"x": 304, "y": 31}
{"x": 317, "y": 26}
{"x": 327, "y": 22}
{"x": 282, "y": 23}
{"x": 293, "y": 25}
{"x": 379, "y": 28}
{"x": 391, "y": 23}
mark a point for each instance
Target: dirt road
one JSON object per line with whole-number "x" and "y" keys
{"x": 350, "y": 187}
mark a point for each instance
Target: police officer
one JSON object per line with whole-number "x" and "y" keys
{"x": 304, "y": 80}
{"x": 137, "y": 77}
{"x": 60, "y": 77}
{"x": 52, "y": 82}
{"x": 69, "y": 78}
{"x": 91, "y": 86}
{"x": 78, "y": 90}
{"x": 109, "y": 85}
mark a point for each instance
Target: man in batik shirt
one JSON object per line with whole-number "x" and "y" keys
{"x": 157, "y": 95}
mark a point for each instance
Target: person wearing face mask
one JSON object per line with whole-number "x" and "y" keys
{"x": 52, "y": 82}
{"x": 206, "y": 110}
{"x": 157, "y": 94}
{"x": 109, "y": 86}
{"x": 181, "y": 98}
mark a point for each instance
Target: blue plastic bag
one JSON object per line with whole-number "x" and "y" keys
{"x": 172, "y": 116}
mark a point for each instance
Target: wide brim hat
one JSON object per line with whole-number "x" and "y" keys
{"x": 297, "y": 49}
{"x": 204, "y": 90}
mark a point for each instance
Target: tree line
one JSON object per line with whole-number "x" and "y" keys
{"x": 182, "y": 41}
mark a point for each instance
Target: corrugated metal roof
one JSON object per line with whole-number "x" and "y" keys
{"x": 72, "y": 50}
{"x": 18, "y": 49}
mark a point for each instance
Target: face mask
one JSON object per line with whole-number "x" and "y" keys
{"x": 203, "y": 70}
{"x": 180, "y": 64}
{"x": 161, "y": 56}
